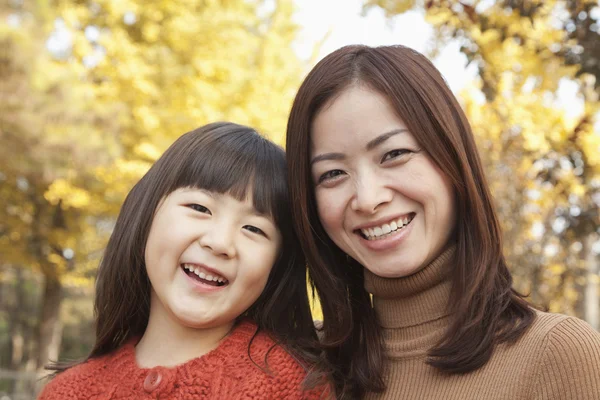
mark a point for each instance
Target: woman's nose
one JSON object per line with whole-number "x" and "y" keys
{"x": 370, "y": 194}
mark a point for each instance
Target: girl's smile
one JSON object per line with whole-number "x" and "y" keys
{"x": 208, "y": 257}
{"x": 204, "y": 281}
{"x": 204, "y": 274}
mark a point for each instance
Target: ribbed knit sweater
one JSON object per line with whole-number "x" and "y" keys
{"x": 227, "y": 372}
{"x": 557, "y": 358}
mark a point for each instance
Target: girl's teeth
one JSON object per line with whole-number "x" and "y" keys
{"x": 203, "y": 275}
{"x": 378, "y": 231}
{"x": 386, "y": 229}
{"x": 393, "y": 226}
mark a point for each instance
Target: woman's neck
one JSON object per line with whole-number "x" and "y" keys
{"x": 413, "y": 311}
{"x": 167, "y": 343}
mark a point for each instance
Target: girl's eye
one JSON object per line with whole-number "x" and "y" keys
{"x": 330, "y": 175}
{"x": 199, "y": 208}
{"x": 391, "y": 155}
{"x": 254, "y": 229}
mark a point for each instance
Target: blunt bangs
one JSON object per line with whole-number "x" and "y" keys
{"x": 233, "y": 159}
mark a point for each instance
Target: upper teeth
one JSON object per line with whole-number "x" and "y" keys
{"x": 387, "y": 227}
{"x": 202, "y": 274}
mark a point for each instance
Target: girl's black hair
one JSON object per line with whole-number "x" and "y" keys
{"x": 223, "y": 158}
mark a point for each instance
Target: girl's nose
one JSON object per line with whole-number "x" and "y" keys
{"x": 219, "y": 241}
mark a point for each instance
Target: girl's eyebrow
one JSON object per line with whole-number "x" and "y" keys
{"x": 209, "y": 193}
{"x": 203, "y": 191}
{"x": 254, "y": 211}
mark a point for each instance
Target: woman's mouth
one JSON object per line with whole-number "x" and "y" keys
{"x": 388, "y": 229}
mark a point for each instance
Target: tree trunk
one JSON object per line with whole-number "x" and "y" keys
{"x": 592, "y": 295}
{"x": 50, "y": 325}
{"x": 17, "y": 341}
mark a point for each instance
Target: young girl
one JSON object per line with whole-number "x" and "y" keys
{"x": 201, "y": 269}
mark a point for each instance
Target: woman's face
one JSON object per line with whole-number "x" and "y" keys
{"x": 379, "y": 195}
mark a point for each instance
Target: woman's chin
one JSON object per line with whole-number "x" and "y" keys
{"x": 394, "y": 271}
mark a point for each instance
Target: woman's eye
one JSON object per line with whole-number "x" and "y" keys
{"x": 330, "y": 175}
{"x": 199, "y": 208}
{"x": 391, "y": 155}
{"x": 254, "y": 229}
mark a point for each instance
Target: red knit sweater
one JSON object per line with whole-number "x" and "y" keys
{"x": 227, "y": 372}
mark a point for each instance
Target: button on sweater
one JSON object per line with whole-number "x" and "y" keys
{"x": 557, "y": 358}
{"x": 227, "y": 372}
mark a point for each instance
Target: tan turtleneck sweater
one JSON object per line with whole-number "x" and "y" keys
{"x": 557, "y": 358}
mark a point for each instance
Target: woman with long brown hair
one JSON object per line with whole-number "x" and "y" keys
{"x": 392, "y": 204}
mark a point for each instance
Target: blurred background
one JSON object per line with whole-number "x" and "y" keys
{"x": 92, "y": 92}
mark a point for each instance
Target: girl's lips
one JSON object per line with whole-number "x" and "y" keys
{"x": 199, "y": 286}
{"x": 390, "y": 242}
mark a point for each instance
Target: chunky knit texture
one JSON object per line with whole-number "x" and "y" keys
{"x": 227, "y": 372}
{"x": 557, "y": 358}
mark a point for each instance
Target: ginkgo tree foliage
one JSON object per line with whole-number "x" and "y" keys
{"x": 543, "y": 161}
{"x": 50, "y": 131}
{"x": 94, "y": 91}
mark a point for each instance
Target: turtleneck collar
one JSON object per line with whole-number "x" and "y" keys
{"x": 413, "y": 310}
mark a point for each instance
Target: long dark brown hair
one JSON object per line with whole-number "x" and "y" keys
{"x": 486, "y": 310}
{"x": 224, "y": 158}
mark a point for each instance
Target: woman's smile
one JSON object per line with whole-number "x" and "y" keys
{"x": 387, "y": 241}
{"x": 380, "y": 197}
{"x": 380, "y": 231}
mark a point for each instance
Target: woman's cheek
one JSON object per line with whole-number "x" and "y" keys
{"x": 329, "y": 207}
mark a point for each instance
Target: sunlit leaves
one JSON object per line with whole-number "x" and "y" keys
{"x": 549, "y": 207}
{"x": 121, "y": 81}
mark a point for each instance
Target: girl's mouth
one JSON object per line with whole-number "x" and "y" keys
{"x": 198, "y": 274}
{"x": 387, "y": 229}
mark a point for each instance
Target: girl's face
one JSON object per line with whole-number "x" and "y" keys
{"x": 380, "y": 197}
{"x": 208, "y": 257}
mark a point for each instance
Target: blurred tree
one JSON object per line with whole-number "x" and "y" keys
{"x": 49, "y": 133}
{"x": 93, "y": 92}
{"x": 524, "y": 51}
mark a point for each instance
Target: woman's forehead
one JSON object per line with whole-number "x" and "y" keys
{"x": 357, "y": 112}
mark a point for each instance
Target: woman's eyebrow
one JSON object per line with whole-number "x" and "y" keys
{"x": 383, "y": 137}
{"x": 327, "y": 156}
{"x": 370, "y": 146}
